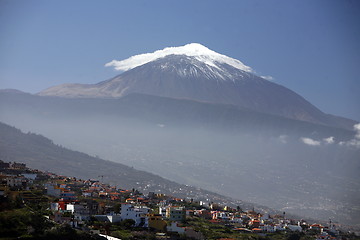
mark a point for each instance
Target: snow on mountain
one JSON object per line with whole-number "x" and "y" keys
{"x": 196, "y": 50}
{"x": 198, "y": 73}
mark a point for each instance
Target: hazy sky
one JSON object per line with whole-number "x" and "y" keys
{"x": 311, "y": 47}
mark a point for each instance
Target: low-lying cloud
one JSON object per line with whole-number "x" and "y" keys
{"x": 329, "y": 140}
{"x": 355, "y": 142}
{"x": 311, "y": 142}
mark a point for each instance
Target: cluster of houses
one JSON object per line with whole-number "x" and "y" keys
{"x": 77, "y": 202}
{"x": 106, "y": 203}
{"x": 169, "y": 215}
{"x": 16, "y": 176}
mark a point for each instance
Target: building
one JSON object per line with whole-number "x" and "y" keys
{"x": 16, "y": 165}
{"x": 294, "y": 228}
{"x": 220, "y": 215}
{"x": 52, "y": 190}
{"x": 175, "y": 213}
{"x": 136, "y": 213}
{"x": 162, "y": 211}
{"x": 31, "y": 176}
{"x": 317, "y": 227}
{"x": 268, "y": 228}
{"x": 4, "y": 165}
{"x": 16, "y": 181}
{"x": 67, "y": 195}
{"x": 254, "y": 223}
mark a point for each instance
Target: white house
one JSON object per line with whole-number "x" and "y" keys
{"x": 162, "y": 211}
{"x": 136, "y": 213}
{"x": 220, "y": 215}
{"x": 294, "y": 228}
{"x": 31, "y": 176}
{"x": 80, "y": 209}
{"x": 267, "y": 228}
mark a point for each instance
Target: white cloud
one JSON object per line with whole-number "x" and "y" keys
{"x": 269, "y": 78}
{"x": 197, "y": 50}
{"x": 310, "y": 141}
{"x": 355, "y": 142}
{"x": 329, "y": 140}
{"x": 357, "y": 129}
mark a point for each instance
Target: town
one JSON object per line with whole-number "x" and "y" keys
{"x": 41, "y": 205}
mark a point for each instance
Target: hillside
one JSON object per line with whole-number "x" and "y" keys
{"x": 41, "y": 153}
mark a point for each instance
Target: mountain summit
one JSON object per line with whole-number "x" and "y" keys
{"x": 198, "y": 73}
{"x": 195, "y": 50}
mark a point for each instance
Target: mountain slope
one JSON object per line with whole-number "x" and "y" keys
{"x": 41, "y": 153}
{"x": 156, "y": 110}
{"x": 197, "y": 73}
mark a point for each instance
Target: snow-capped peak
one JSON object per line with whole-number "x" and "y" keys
{"x": 196, "y": 50}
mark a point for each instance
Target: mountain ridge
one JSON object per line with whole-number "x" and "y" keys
{"x": 198, "y": 77}
{"x": 145, "y": 103}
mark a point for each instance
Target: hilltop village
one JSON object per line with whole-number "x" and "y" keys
{"x": 44, "y": 205}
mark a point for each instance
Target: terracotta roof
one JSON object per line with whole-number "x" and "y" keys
{"x": 256, "y": 229}
{"x": 317, "y": 225}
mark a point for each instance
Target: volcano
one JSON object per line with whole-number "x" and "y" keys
{"x": 195, "y": 72}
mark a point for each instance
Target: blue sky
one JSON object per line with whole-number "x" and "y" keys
{"x": 311, "y": 47}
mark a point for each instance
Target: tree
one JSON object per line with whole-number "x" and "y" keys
{"x": 127, "y": 223}
{"x": 117, "y": 208}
